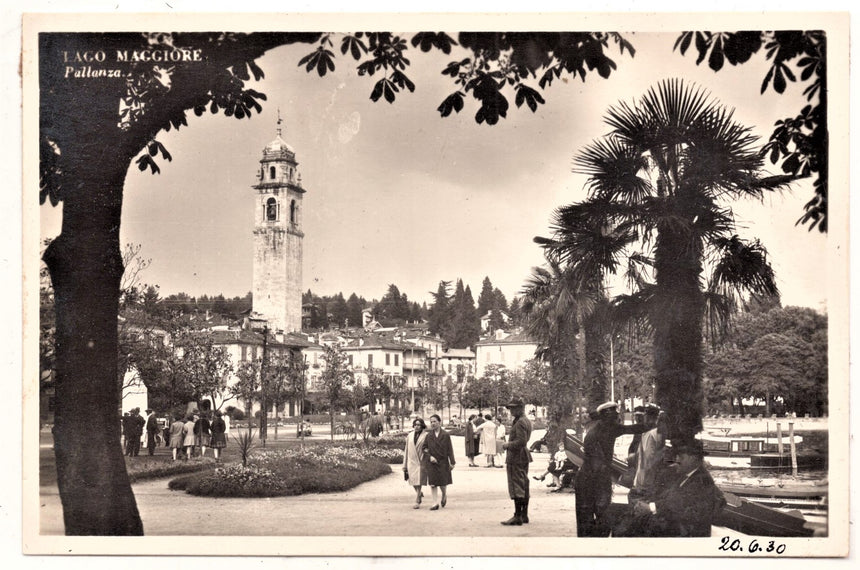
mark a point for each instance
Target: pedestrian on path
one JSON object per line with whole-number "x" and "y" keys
{"x": 414, "y": 469}
{"x": 440, "y": 460}
{"x": 177, "y": 436}
{"x": 471, "y": 443}
{"x": 488, "y": 439}
{"x": 151, "y": 431}
{"x": 219, "y": 435}
{"x": 188, "y": 436}
{"x": 499, "y": 460}
{"x": 517, "y": 459}
{"x": 202, "y": 433}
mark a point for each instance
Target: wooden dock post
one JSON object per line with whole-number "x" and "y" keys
{"x": 793, "y": 448}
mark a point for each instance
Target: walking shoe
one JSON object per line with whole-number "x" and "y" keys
{"x": 434, "y": 508}
{"x": 513, "y": 521}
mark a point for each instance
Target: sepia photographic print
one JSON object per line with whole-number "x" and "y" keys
{"x": 342, "y": 285}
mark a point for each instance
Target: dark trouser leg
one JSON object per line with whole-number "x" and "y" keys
{"x": 603, "y": 500}
{"x": 584, "y": 511}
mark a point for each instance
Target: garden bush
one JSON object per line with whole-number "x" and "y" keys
{"x": 274, "y": 473}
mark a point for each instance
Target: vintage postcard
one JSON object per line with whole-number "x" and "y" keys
{"x": 348, "y": 285}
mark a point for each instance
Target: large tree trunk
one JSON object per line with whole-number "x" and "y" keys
{"x": 595, "y": 364}
{"x": 85, "y": 264}
{"x": 677, "y": 322}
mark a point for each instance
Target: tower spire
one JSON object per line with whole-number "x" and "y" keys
{"x": 278, "y": 129}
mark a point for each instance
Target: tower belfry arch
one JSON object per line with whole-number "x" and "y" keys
{"x": 278, "y": 236}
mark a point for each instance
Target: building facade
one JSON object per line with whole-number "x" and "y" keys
{"x": 508, "y": 350}
{"x": 278, "y": 236}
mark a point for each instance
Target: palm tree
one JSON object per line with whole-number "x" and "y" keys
{"x": 659, "y": 179}
{"x": 555, "y": 306}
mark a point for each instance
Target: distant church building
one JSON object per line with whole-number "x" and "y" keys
{"x": 277, "y": 289}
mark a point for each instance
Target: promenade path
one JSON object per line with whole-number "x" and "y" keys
{"x": 477, "y": 503}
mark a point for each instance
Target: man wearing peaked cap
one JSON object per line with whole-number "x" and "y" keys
{"x": 593, "y": 486}
{"x": 517, "y": 459}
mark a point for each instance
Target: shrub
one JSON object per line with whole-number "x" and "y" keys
{"x": 245, "y": 443}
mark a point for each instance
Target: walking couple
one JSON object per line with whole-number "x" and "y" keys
{"x": 428, "y": 460}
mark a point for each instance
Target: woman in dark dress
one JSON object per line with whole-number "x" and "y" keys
{"x": 219, "y": 435}
{"x": 440, "y": 460}
{"x": 202, "y": 434}
{"x": 471, "y": 443}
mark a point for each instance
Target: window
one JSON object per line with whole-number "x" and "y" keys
{"x": 370, "y": 361}
{"x": 387, "y": 359}
{"x": 272, "y": 172}
{"x": 293, "y": 212}
{"x": 349, "y": 359}
{"x": 244, "y": 353}
{"x": 396, "y": 360}
{"x": 271, "y": 209}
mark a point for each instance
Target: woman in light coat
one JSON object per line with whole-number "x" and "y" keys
{"x": 189, "y": 439}
{"x": 414, "y": 470}
{"x": 488, "y": 439}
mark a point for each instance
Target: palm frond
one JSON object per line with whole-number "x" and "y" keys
{"x": 718, "y": 312}
{"x": 612, "y": 167}
{"x": 742, "y": 268}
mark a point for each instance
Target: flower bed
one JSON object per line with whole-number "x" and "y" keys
{"x": 276, "y": 473}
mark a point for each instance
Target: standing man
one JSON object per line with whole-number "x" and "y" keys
{"x": 517, "y": 459}
{"x": 126, "y": 433}
{"x": 440, "y": 460}
{"x": 139, "y": 422}
{"x": 594, "y": 481}
{"x": 151, "y": 431}
{"x": 649, "y": 456}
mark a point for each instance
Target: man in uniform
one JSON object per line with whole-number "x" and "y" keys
{"x": 517, "y": 459}
{"x": 594, "y": 481}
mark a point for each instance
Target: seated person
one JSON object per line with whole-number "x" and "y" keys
{"x": 537, "y": 445}
{"x": 686, "y": 506}
{"x": 561, "y": 468}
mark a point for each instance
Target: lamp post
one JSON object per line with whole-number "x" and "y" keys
{"x": 263, "y": 410}
{"x": 612, "y": 367}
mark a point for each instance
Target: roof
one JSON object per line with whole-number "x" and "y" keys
{"x": 278, "y": 145}
{"x": 382, "y": 343}
{"x": 457, "y": 353}
{"x": 516, "y": 338}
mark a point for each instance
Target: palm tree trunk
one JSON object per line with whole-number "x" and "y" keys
{"x": 677, "y": 322}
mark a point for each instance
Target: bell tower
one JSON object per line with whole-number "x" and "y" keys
{"x": 278, "y": 235}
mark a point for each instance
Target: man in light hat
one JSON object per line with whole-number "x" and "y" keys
{"x": 594, "y": 481}
{"x": 517, "y": 459}
{"x": 649, "y": 455}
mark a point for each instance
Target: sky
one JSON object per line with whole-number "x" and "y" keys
{"x": 398, "y": 195}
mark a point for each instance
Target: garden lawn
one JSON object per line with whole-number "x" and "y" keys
{"x": 319, "y": 468}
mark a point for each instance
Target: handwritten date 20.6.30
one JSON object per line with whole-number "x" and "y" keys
{"x": 727, "y": 544}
